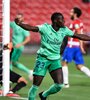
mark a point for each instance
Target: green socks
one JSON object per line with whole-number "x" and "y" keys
{"x": 53, "y": 89}
{"x": 32, "y": 92}
{"x": 21, "y": 67}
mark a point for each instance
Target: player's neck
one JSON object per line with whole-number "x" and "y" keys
{"x": 55, "y": 27}
{"x": 75, "y": 18}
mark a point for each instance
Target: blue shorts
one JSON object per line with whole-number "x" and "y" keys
{"x": 73, "y": 54}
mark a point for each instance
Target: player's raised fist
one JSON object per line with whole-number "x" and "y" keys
{"x": 17, "y": 21}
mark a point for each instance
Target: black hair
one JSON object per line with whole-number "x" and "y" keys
{"x": 55, "y": 15}
{"x": 77, "y": 11}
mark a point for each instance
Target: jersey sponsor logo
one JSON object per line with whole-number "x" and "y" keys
{"x": 77, "y": 26}
{"x": 54, "y": 42}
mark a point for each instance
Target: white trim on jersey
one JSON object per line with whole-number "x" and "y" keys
{"x": 73, "y": 43}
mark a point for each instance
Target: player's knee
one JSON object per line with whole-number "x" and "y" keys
{"x": 22, "y": 79}
{"x": 14, "y": 63}
{"x": 59, "y": 86}
{"x": 64, "y": 63}
{"x": 79, "y": 67}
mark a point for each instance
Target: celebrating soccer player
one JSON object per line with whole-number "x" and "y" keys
{"x": 48, "y": 56}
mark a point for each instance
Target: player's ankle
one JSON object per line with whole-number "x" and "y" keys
{"x": 66, "y": 85}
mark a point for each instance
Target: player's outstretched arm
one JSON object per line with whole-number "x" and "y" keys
{"x": 26, "y": 26}
{"x": 81, "y": 37}
{"x": 64, "y": 43}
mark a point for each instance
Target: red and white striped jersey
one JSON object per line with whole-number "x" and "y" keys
{"x": 75, "y": 26}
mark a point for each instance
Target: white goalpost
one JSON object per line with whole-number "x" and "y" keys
{"x": 5, "y": 40}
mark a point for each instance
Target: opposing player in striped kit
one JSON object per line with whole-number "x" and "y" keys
{"x": 74, "y": 48}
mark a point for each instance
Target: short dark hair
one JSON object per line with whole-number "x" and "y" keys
{"x": 77, "y": 11}
{"x": 55, "y": 15}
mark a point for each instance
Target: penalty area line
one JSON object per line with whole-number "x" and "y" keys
{"x": 19, "y": 98}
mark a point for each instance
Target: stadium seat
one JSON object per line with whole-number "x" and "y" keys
{"x": 39, "y": 12}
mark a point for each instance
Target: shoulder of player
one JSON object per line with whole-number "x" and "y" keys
{"x": 78, "y": 21}
{"x": 64, "y": 29}
{"x": 12, "y": 22}
{"x": 46, "y": 24}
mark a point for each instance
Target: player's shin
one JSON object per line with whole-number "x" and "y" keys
{"x": 53, "y": 89}
{"x": 18, "y": 86}
{"x": 32, "y": 92}
{"x": 85, "y": 70}
{"x": 65, "y": 75}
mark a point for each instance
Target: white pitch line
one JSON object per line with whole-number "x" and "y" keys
{"x": 74, "y": 96}
{"x": 19, "y": 98}
{"x": 77, "y": 75}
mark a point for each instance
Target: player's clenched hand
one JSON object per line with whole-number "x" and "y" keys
{"x": 8, "y": 46}
{"x": 17, "y": 21}
{"x": 83, "y": 51}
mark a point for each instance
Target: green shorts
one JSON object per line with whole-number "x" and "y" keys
{"x": 16, "y": 54}
{"x": 43, "y": 65}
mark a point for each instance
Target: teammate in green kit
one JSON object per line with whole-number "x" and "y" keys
{"x": 48, "y": 56}
{"x": 20, "y": 37}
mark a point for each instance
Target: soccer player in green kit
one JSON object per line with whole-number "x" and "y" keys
{"x": 48, "y": 56}
{"x": 20, "y": 37}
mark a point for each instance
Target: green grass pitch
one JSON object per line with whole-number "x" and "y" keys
{"x": 79, "y": 83}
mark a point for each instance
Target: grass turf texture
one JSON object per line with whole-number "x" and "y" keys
{"x": 79, "y": 83}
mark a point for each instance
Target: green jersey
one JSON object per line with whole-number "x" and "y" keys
{"x": 19, "y": 34}
{"x": 51, "y": 40}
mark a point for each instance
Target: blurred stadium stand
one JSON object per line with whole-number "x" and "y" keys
{"x": 39, "y": 11}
